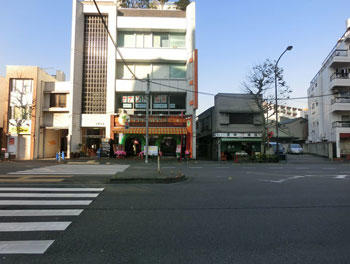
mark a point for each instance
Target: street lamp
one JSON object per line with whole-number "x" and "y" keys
{"x": 276, "y": 99}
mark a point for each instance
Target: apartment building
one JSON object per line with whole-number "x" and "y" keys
{"x": 286, "y": 112}
{"x": 108, "y": 102}
{"x": 36, "y": 114}
{"x": 232, "y": 125}
{"x": 329, "y": 99}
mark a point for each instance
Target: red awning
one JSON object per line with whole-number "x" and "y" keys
{"x": 152, "y": 130}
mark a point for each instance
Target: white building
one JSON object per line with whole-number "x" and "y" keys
{"x": 160, "y": 43}
{"x": 329, "y": 99}
{"x": 285, "y": 112}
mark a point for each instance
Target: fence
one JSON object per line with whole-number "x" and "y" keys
{"x": 324, "y": 149}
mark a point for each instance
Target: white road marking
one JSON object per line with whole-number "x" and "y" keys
{"x": 33, "y": 226}
{"x": 67, "y": 169}
{"x": 45, "y": 202}
{"x": 53, "y": 189}
{"x": 42, "y": 212}
{"x": 57, "y": 195}
{"x": 341, "y": 176}
{"x": 25, "y": 247}
{"x": 286, "y": 179}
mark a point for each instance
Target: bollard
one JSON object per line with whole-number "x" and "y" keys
{"x": 158, "y": 163}
{"x": 63, "y": 155}
{"x": 57, "y": 156}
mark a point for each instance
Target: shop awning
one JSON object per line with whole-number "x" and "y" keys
{"x": 152, "y": 130}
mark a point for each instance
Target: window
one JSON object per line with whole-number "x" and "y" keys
{"x": 151, "y": 40}
{"x": 156, "y": 71}
{"x": 21, "y": 112}
{"x": 177, "y": 71}
{"x": 240, "y": 118}
{"x": 126, "y": 39}
{"x": 161, "y": 40}
{"x": 177, "y": 40}
{"x": 142, "y": 70}
{"x": 57, "y": 100}
{"x": 160, "y": 71}
{"x": 160, "y": 102}
{"x": 177, "y": 101}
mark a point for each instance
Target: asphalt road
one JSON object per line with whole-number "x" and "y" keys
{"x": 294, "y": 212}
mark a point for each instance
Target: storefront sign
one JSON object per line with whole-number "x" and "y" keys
{"x": 160, "y": 106}
{"x": 152, "y": 150}
{"x": 140, "y": 105}
{"x": 236, "y": 135}
{"x": 127, "y": 105}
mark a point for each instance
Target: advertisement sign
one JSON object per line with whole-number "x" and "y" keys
{"x": 152, "y": 150}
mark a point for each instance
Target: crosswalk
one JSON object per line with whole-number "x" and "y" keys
{"x": 22, "y": 211}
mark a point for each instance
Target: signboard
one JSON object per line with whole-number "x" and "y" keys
{"x": 127, "y": 105}
{"x": 105, "y": 148}
{"x": 140, "y": 99}
{"x": 152, "y": 150}
{"x": 236, "y": 135}
{"x": 160, "y": 106}
{"x": 128, "y": 99}
{"x": 140, "y": 105}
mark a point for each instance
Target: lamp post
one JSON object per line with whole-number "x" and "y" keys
{"x": 276, "y": 99}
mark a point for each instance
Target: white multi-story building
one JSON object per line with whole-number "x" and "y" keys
{"x": 105, "y": 94}
{"x": 329, "y": 99}
{"x": 285, "y": 112}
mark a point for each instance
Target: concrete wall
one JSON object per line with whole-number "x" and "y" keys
{"x": 324, "y": 149}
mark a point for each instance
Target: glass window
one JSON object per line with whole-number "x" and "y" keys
{"x": 177, "y": 71}
{"x": 147, "y": 42}
{"x": 177, "y": 101}
{"x": 177, "y": 40}
{"x": 139, "y": 40}
{"x": 160, "y": 102}
{"x": 142, "y": 70}
{"x": 161, "y": 40}
{"x": 27, "y": 85}
{"x": 128, "y": 40}
{"x": 57, "y": 100}
{"x": 123, "y": 72}
{"x": 160, "y": 71}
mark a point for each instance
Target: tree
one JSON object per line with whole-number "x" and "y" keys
{"x": 182, "y": 4}
{"x": 21, "y": 105}
{"x": 156, "y": 3}
{"x": 260, "y": 83}
{"x": 134, "y": 3}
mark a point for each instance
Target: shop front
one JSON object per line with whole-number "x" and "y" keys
{"x": 92, "y": 139}
{"x": 171, "y": 134}
{"x": 231, "y": 145}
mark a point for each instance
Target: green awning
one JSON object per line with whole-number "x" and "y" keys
{"x": 241, "y": 139}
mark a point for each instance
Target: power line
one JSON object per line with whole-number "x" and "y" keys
{"x": 178, "y": 88}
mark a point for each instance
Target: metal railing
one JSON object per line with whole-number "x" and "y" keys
{"x": 341, "y": 124}
{"x": 340, "y": 75}
{"x": 339, "y": 52}
{"x": 343, "y": 99}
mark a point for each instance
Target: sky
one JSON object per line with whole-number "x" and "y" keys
{"x": 231, "y": 35}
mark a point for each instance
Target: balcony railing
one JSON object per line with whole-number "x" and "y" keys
{"x": 344, "y": 99}
{"x": 339, "y": 52}
{"x": 341, "y": 124}
{"x": 340, "y": 75}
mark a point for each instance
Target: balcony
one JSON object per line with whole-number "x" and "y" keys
{"x": 339, "y": 80}
{"x": 340, "y": 104}
{"x": 341, "y": 124}
{"x": 339, "y": 56}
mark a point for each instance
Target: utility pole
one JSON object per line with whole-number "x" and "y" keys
{"x": 147, "y": 117}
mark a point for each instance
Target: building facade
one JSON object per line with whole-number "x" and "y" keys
{"x": 36, "y": 109}
{"x": 108, "y": 102}
{"x": 233, "y": 125}
{"x": 329, "y": 99}
{"x": 2, "y": 115}
{"x": 286, "y": 112}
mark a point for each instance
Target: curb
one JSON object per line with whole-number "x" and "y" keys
{"x": 148, "y": 180}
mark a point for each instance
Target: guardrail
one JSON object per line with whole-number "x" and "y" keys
{"x": 340, "y": 75}
{"x": 340, "y": 100}
{"x": 341, "y": 124}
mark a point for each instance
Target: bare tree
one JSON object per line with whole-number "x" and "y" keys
{"x": 22, "y": 105}
{"x": 260, "y": 83}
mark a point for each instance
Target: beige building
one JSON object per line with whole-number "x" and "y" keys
{"x": 2, "y": 112}
{"x": 36, "y": 114}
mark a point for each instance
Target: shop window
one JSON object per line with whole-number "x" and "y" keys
{"x": 177, "y": 101}
{"x": 241, "y": 118}
{"x": 160, "y": 71}
{"x": 160, "y": 102}
{"x": 58, "y": 100}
